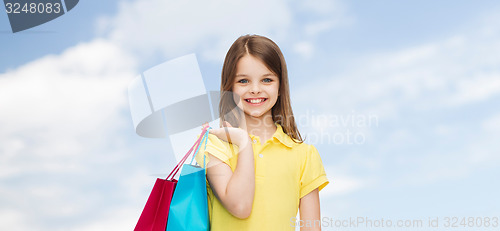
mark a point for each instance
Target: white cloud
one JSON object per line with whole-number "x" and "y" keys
{"x": 54, "y": 102}
{"x": 315, "y": 28}
{"x": 61, "y": 118}
{"x": 453, "y": 72}
{"x": 311, "y": 20}
{"x": 475, "y": 88}
{"x": 119, "y": 219}
{"x": 321, "y": 6}
{"x": 174, "y": 28}
{"x": 14, "y": 220}
{"x": 327, "y": 13}
{"x": 492, "y": 124}
{"x": 304, "y": 49}
{"x": 422, "y": 95}
{"x": 342, "y": 185}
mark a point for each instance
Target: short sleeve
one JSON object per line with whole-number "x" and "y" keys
{"x": 313, "y": 173}
{"x": 218, "y": 148}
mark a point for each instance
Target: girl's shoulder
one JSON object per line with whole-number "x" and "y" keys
{"x": 294, "y": 144}
{"x": 303, "y": 147}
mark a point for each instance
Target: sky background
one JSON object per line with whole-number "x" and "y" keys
{"x": 417, "y": 85}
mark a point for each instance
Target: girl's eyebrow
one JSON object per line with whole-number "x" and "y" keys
{"x": 245, "y": 75}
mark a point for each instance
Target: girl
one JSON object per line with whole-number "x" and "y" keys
{"x": 258, "y": 168}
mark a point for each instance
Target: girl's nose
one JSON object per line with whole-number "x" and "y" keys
{"x": 255, "y": 89}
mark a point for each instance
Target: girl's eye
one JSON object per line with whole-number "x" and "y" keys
{"x": 267, "y": 80}
{"x": 243, "y": 81}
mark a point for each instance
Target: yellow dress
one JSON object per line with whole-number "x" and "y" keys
{"x": 284, "y": 172}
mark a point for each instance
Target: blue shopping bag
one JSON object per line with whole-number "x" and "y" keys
{"x": 189, "y": 206}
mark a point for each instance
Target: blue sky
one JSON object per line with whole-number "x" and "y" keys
{"x": 429, "y": 73}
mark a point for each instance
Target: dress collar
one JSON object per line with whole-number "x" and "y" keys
{"x": 280, "y": 136}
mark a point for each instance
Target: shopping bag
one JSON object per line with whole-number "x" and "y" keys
{"x": 155, "y": 213}
{"x": 189, "y": 206}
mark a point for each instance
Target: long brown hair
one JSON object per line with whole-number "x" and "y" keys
{"x": 270, "y": 54}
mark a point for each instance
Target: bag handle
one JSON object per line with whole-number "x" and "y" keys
{"x": 204, "y": 140}
{"x": 181, "y": 162}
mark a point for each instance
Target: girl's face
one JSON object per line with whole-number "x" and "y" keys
{"x": 255, "y": 87}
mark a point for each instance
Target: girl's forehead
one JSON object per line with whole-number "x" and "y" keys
{"x": 249, "y": 65}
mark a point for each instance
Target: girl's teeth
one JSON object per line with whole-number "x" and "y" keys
{"x": 256, "y": 100}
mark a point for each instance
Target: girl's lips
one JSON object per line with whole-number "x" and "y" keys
{"x": 256, "y": 101}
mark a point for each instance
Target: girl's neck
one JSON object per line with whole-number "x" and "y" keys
{"x": 262, "y": 127}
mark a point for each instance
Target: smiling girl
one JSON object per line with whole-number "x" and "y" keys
{"x": 259, "y": 170}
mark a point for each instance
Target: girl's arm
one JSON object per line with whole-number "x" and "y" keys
{"x": 235, "y": 189}
{"x": 309, "y": 211}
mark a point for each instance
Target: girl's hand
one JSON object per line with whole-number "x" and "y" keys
{"x": 234, "y": 189}
{"x": 230, "y": 134}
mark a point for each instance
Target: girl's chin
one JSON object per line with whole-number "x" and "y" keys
{"x": 255, "y": 114}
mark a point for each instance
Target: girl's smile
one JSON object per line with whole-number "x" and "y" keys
{"x": 255, "y": 101}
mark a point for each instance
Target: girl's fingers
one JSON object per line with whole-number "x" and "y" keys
{"x": 223, "y": 133}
